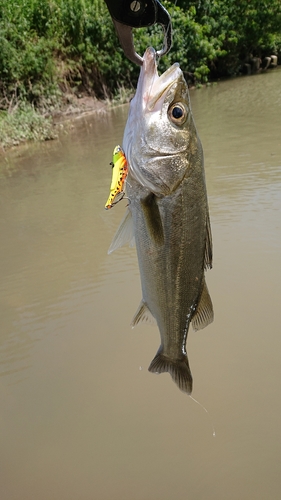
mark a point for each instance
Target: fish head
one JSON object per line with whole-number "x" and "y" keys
{"x": 160, "y": 134}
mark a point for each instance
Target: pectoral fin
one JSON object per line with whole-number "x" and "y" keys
{"x": 124, "y": 234}
{"x": 204, "y": 314}
{"x": 153, "y": 219}
{"x": 143, "y": 315}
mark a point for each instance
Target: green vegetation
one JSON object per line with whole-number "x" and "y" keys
{"x": 22, "y": 124}
{"x": 219, "y": 35}
{"x": 52, "y": 48}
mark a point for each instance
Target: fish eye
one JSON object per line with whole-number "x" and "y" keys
{"x": 177, "y": 113}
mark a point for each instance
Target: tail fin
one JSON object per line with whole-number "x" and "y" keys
{"x": 178, "y": 369}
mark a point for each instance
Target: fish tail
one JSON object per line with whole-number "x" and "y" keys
{"x": 178, "y": 369}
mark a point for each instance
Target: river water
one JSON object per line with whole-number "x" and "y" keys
{"x": 80, "y": 415}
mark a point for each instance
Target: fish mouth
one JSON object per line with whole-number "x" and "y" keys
{"x": 159, "y": 97}
{"x": 155, "y": 87}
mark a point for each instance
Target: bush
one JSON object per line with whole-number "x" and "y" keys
{"x": 70, "y": 45}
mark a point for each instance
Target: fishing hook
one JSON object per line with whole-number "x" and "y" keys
{"x": 128, "y": 14}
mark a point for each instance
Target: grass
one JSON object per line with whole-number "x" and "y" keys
{"x": 23, "y": 124}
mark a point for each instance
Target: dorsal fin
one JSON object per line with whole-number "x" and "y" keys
{"x": 204, "y": 314}
{"x": 208, "y": 258}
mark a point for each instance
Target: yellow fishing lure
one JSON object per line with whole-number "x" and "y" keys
{"x": 119, "y": 174}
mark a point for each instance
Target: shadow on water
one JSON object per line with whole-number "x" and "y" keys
{"x": 80, "y": 415}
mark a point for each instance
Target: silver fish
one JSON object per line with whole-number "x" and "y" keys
{"x": 167, "y": 214}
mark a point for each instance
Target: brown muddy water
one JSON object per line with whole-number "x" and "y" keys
{"x": 81, "y": 418}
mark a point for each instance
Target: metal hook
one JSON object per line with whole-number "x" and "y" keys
{"x": 128, "y": 14}
{"x": 125, "y": 36}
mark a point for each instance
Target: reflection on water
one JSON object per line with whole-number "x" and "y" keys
{"x": 79, "y": 418}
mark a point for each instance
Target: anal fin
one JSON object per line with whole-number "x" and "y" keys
{"x": 143, "y": 315}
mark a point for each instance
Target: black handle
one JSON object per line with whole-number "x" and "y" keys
{"x": 134, "y": 13}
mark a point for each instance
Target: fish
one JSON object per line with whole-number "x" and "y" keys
{"x": 167, "y": 215}
{"x": 119, "y": 174}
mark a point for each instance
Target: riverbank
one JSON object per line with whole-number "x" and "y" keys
{"x": 24, "y": 123}
{"x": 50, "y": 50}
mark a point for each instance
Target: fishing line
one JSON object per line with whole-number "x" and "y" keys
{"x": 158, "y": 57}
{"x": 213, "y": 428}
{"x": 170, "y": 28}
{"x": 175, "y": 4}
